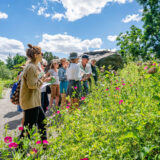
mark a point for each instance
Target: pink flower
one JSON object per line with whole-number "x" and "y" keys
{"x": 13, "y": 145}
{"x": 107, "y": 89}
{"x": 123, "y": 84}
{"x": 83, "y": 98}
{"x": 45, "y": 142}
{"x": 34, "y": 150}
{"x": 20, "y": 128}
{"x": 84, "y": 159}
{"x": 68, "y": 104}
{"x": 117, "y": 88}
{"x": 116, "y": 80}
{"x": 58, "y": 112}
{"x": 67, "y": 107}
{"x": 146, "y": 67}
{"x": 38, "y": 142}
{"x": 121, "y": 101}
{"x": 46, "y": 108}
{"x": 8, "y": 139}
{"x": 75, "y": 87}
{"x": 154, "y": 64}
{"x": 54, "y": 115}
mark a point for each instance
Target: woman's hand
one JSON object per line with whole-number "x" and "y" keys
{"x": 48, "y": 79}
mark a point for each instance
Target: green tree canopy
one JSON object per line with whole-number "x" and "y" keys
{"x": 151, "y": 19}
{"x": 132, "y": 44}
{"x": 49, "y": 56}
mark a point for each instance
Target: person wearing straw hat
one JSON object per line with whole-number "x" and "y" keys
{"x": 74, "y": 77}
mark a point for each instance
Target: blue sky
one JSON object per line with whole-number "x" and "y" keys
{"x": 63, "y": 26}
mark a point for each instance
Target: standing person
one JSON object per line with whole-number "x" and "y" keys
{"x": 63, "y": 81}
{"x": 74, "y": 77}
{"x": 55, "y": 90}
{"x": 94, "y": 71}
{"x": 30, "y": 94}
{"x": 44, "y": 94}
{"x": 86, "y": 71}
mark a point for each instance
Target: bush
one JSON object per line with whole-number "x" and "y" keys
{"x": 5, "y": 73}
{"x": 120, "y": 119}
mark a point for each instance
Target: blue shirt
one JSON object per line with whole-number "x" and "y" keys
{"x": 62, "y": 74}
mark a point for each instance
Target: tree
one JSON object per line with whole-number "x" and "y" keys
{"x": 10, "y": 62}
{"x": 18, "y": 59}
{"x": 5, "y": 73}
{"x": 49, "y": 56}
{"x": 132, "y": 44}
{"x": 151, "y": 19}
{"x": 1, "y": 63}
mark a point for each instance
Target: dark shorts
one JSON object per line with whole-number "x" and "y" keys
{"x": 74, "y": 89}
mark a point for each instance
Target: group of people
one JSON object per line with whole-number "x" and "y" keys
{"x": 71, "y": 79}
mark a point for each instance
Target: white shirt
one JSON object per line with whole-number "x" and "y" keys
{"x": 73, "y": 72}
{"x": 55, "y": 75}
{"x": 86, "y": 70}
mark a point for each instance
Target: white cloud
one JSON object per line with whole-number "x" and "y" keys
{"x": 140, "y": 10}
{"x": 3, "y": 15}
{"x": 113, "y": 50}
{"x": 47, "y": 15}
{"x": 33, "y": 8}
{"x": 55, "y": 1}
{"x": 58, "y": 16}
{"x": 112, "y": 38}
{"x": 62, "y": 43}
{"x": 133, "y": 17}
{"x": 41, "y": 11}
{"x": 77, "y": 9}
{"x": 10, "y": 46}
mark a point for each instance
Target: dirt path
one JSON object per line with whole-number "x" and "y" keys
{"x": 8, "y": 114}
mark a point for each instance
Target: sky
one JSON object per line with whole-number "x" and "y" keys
{"x": 64, "y": 26}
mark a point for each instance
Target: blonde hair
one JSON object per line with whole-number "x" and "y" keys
{"x": 63, "y": 60}
{"x": 52, "y": 63}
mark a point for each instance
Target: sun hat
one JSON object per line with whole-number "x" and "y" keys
{"x": 73, "y": 55}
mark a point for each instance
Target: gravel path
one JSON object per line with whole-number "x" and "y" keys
{"x": 8, "y": 114}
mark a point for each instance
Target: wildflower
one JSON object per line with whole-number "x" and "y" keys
{"x": 13, "y": 145}
{"x": 68, "y": 104}
{"x": 117, "y": 88}
{"x": 38, "y": 142}
{"x": 58, "y": 112}
{"x": 45, "y": 142}
{"x": 146, "y": 67}
{"x": 54, "y": 115}
{"x": 75, "y": 87}
{"x": 123, "y": 84}
{"x": 121, "y": 101}
{"x": 83, "y": 98}
{"x": 84, "y": 159}
{"x": 34, "y": 150}
{"x": 107, "y": 89}
{"x": 46, "y": 108}
{"x": 8, "y": 139}
{"x": 154, "y": 64}
{"x": 67, "y": 107}
{"x": 20, "y": 128}
{"x": 116, "y": 80}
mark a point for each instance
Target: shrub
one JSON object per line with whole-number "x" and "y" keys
{"x": 120, "y": 119}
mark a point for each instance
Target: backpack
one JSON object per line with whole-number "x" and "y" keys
{"x": 15, "y": 93}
